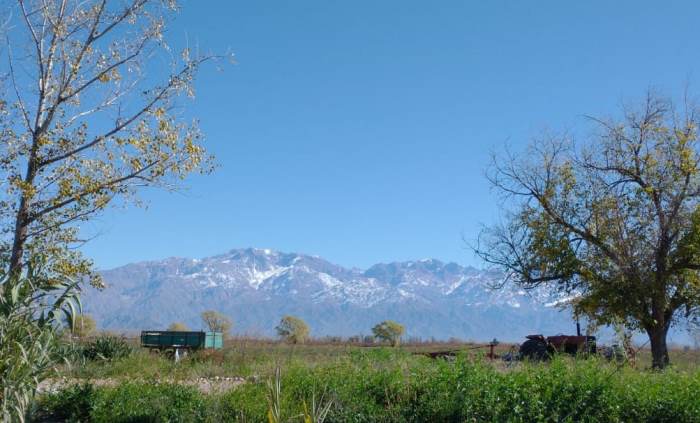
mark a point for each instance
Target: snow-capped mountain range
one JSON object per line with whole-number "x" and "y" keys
{"x": 256, "y": 287}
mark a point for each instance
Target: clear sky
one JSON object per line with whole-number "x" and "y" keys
{"x": 360, "y": 130}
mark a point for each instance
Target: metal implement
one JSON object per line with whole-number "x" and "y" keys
{"x": 539, "y": 348}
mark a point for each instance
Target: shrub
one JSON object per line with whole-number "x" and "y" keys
{"x": 71, "y": 404}
{"x": 107, "y": 347}
{"x": 129, "y": 402}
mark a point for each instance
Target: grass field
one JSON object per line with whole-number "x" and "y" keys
{"x": 368, "y": 384}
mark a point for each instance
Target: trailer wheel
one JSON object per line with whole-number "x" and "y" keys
{"x": 534, "y": 350}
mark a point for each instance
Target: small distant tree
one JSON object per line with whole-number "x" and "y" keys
{"x": 178, "y": 327}
{"x": 293, "y": 330}
{"x": 217, "y": 322}
{"x": 83, "y": 325}
{"x": 694, "y": 330}
{"x": 389, "y": 331}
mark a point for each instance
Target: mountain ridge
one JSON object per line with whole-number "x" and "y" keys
{"x": 255, "y": 287}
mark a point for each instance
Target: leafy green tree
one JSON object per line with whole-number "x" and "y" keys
{"x": 614, "y": 220}
{"x": 293, "y": 330}
{"x": 217, "y": 322}
{"x": 83, "y": 326}
{"x": 389, "y": 331}
{"x": 178, "y": 327}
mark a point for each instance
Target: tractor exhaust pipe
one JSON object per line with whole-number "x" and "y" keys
{"x": 578, "y": 328}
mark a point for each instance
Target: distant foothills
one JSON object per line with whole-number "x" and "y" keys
{"x": 256, "y": 287}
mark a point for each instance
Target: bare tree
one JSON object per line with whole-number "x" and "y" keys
{"x": 217, "y": 322}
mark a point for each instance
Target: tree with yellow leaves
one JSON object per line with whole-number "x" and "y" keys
{"x": 82, "y": 127}
{"x": 614, "y": 221}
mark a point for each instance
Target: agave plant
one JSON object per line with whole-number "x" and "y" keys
{"x": 31, "y": 309}
{"x": 107, "y": 347}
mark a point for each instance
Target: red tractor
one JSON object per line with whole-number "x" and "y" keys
{"x": 541, "y": 348}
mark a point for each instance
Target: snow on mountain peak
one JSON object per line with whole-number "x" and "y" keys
{"x": 255, "y": 285}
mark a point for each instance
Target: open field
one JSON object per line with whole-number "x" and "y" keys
{"x": 364, "y": 384}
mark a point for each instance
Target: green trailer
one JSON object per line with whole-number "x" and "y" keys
{"x": 181, "y": 340}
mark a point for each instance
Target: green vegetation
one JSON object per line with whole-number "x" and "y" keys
{"x": 389, "y": 331}
{"x": 293, "y": 330}
{"x": 83, "y": 326}
{"x": 613, "y": 220}
{"x": 64, "y": 159}
{"x": 30, "y": 309}
{"x": 107, "y": 347}
{"x": 392, "y": 385}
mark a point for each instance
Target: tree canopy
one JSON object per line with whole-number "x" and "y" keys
{"x": 612, "y": 221}
{"x": 293, "y": 330}
{"x": 389, "y": 331}
{"x": 81, "y": 126}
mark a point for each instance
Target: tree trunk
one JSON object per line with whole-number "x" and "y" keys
{"x": 659, "y": 350}
{"x": 20, "y": 236}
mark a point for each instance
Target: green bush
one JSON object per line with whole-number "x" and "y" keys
{"x": 107, "y": 347}
{"x": 72, "y": 404}
{"x": 129, "y": 402}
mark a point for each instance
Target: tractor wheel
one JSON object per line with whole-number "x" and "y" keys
{"x": 534, "y": 350}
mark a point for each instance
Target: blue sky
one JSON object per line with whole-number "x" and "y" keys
{"x": 360, "y": 130}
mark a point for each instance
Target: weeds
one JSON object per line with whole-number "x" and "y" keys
{"x": 389, "y": 386}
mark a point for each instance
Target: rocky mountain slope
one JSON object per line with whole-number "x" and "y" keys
{"x": 256, "y": 287}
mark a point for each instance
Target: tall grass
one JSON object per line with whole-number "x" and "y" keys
{"x": 31, "y": 309}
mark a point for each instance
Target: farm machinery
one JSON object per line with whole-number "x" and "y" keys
{"x": 541, "y": 348}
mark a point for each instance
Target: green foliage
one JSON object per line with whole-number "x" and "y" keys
{"x": 31, "y": 308}
{"x": 614, "y": 219}
{"x": 107, "y": 347}
{"x": 293, "y": 330}
{"x": 61, "y": 162}
{"x": 388, "y": 385}
{"x": 129, "y": 402}
{"x": 389, "y": 331}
